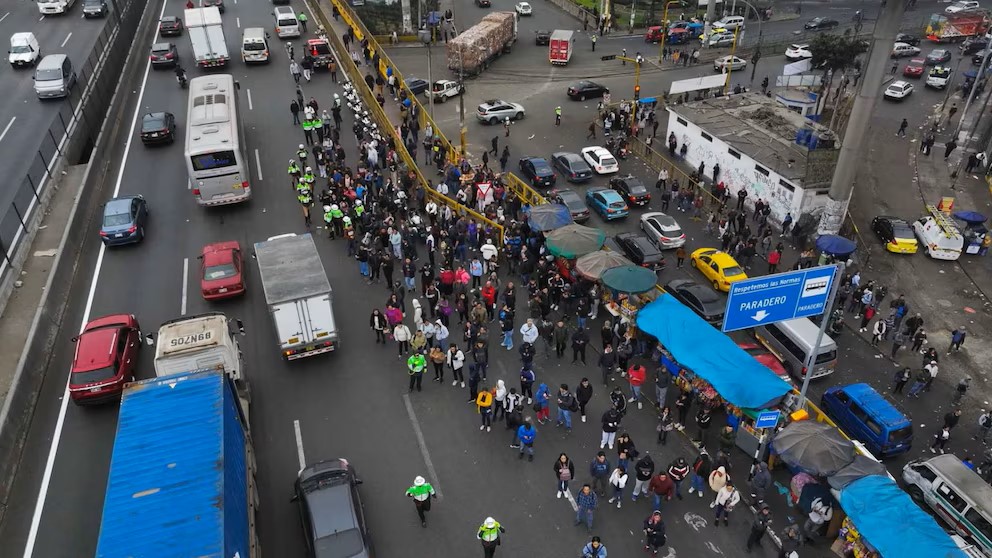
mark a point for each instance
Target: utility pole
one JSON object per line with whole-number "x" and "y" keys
{"x": 461, "y": 103}
{"x": 710, "y": 18}
{"x": 853, "y": 147}
{"x": 971, "y": 97}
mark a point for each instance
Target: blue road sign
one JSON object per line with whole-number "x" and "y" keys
{"x": 767, "y": 419}
{"x": 774, "y": 298}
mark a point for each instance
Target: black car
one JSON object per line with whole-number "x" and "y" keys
{"x": 634, "y": 191}
{"x": 704, "y": 301}
{"x": 94, "y": 8}
{"x": 219, "y": 4}
{"x": 908, "y": 39}
{"x": 483, "y": 3}
{"x": 416, "y": 85}
{"x": 640, "y": 250}
{"x": 158, "y": 127}
{"x": 818, "y": 23}
{"x": 973, "y": 45}
{"x": 538, "y": 171}
{"x": 574, "y": 202}
{"x": 331, "y": 510}
{"x": 542, "y": 38}
{"x": 585, "y": 89}
{"x": 170, "y": 26}
{"x": 977, "y": 58}
{"x": 572, "y": 166}
{"x": 938, "y": 56}
{"x": 164, "y": 55}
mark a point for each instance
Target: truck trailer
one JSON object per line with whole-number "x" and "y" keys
{"x": 206, "y": 37}
{"x": 560, "y": 47}
{"x": 298, "y": 295}
{"x": 957, "y": 27}
{"x": 182, "y": 473}
{"x": 471, "y": 52}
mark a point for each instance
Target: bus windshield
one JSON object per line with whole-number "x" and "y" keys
{"x": 215, "y": 160}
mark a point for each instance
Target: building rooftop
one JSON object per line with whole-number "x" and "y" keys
{"x": 765, "y": 131}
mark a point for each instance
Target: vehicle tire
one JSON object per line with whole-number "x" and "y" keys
{"x": 716, "y": 286}
{"x": 442, "y": 98}
{"x": 916, "y": 494}
{"x": 582, "y": 97}
{"x": 692, "y": 262}
{"x": 493, "y": 121}
{"x": 518, "y": 116}
{"x": 142, "y": 234}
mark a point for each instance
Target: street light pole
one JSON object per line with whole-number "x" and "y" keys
{"x": 426, "y": 38}
{"x": 664, "y": 30}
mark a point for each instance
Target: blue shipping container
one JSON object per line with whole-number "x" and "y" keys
{"x": 179, "y": 481}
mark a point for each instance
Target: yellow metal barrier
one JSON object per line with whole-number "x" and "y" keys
{"x": 522, "y": 190}
{"x": 353, "y": 73}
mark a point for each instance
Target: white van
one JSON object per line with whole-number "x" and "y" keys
{"x": 939, "y": 236}
{"x": 50, "y": 7}
{"x": 791, "y": 341}
{"x": 254, "y": 46}
{"x": 730, "y": 22}
{"x": 24, "y": 50}
{"x": 286, "y": 24}
{"x": 956, "y": 494}
{"x": 54, "y": 76}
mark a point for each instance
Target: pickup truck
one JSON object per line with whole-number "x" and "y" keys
{"x": 445, "y": 88}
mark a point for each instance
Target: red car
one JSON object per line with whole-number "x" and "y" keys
{"x": 106, "y": 354}
{"x": 221, "y": 268}
{"x": 762, "y": 355}
{"x": 915, "y": 68}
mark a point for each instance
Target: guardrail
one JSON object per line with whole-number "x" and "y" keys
{"x": 512, "y": 183}
{"x": 68, "y": 141}
{"x": 385, "y": 126}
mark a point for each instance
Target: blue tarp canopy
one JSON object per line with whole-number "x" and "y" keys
{"x": 712, "y": 355}
{"x": 878, "y": 507}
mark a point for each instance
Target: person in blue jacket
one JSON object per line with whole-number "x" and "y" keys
{"x": 542, "y": 403}
{"x": 526, "y": 435}
{"x": 594, "y": 549}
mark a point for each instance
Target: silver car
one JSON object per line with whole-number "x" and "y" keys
{"x": 495, "y": 110}
{"x": 663, "y": 230}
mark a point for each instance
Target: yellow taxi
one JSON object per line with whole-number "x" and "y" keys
{"x": 719, "y": 267}
{"x": 895, "y": 233}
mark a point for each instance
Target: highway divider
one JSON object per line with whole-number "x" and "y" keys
{"x": 385, "y": 126}
{"x": 513, "y": 183}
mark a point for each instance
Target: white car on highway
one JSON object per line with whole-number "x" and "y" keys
{"x": 523, "y": 8}
{"x": 901, "y": 50}
{"x": 601, "y": 160}
{"x": 798, "y": 52}
{"x": 898, "y": 90}
{"x": 963, "y": 6}
{"x": 733, "y": 63}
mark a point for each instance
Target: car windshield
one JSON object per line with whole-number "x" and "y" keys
{"x": 91, "y": 376}
{"x": 20, "y": 49}
{"x": 706, "y": 295}
{"x": 152, "y": 123}
{"x": 254, "y": 46}
{"x": 541, "y": 167}
{"x": 215, "y": 160}
{"x": 50, "y": 74}
{"x": 901, "y": 435}
{"x": 344, "y": 544}
{"x": 671, "y": 231}
{"x": 826, "y": 357}
{"x": 636, "y": 188}
{"x": 902, "y": 230}
{"x": 732, "y": 271}
{"x": 221, "y": 271}
{"x": 169, "y": 22}
{"x": 320, "y": 49}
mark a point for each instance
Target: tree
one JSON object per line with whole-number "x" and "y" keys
{"x": 834, "y": 54}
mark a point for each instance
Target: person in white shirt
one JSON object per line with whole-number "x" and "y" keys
{"x": 489, "y": 254}
{"x": 726, "y": 499}
{"x": 456, "y": 360}
{"x": 618, "y": 480}
{"x": 529, "y": 331}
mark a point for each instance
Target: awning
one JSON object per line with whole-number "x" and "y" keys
{"x": 878, "y": 507}
{"x": 712, "y": 355}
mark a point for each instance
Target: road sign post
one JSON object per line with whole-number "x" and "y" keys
{"x": 774, "y": 298}
{"x": 811, "y": 361}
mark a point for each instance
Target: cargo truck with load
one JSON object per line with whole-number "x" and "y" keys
{"x": 182, "y": 472}
{"x": 957, "y": 27}
{"x": 206, "y": 37}
{"x": 471, "y": 52}
{"x": 298, "y": 295}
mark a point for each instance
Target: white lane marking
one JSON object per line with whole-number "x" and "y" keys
{"x": 182, "y": 307}
{"x": 4, "y": 17}
{"x": 571, "y": 500}
{"x": 46, "y": 478}
{"x": 250, "y": 105}
{"x": 41, "y": 18}
{"x": 258, "y": 165}
{"x": 431, "y": 472}
{"x": 67, "y": 37}
{"x": 7, "y": 128}
{"x": 299, "y": 445}
{"x": 238, "y": 21}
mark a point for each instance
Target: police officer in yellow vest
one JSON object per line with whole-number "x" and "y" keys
{"x": 304, "y": 195}
{"x": 489, "y": 533}
{"x": 558, "y": 115}
{"x": 328, "y": 216}
{"x": 308, "y": 130}
{"x": 294, "y": 173}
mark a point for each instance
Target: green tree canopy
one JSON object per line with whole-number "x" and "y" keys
{"x": 836, "y": 52}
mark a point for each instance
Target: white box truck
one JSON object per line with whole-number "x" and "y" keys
{"x": 298, "y": 295}
{"x": 206, "y": 36}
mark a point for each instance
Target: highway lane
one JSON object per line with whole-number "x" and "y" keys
{"x": 23, "y": 116}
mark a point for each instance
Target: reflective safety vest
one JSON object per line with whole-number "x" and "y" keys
{"x": 487, "y": 534}
{"x": 306, "y": 126}
{"x": 359, "y": 209}
{"x": 416, "y": 363}
{"x": 293, "y": 169}
{"x": 337, "y": 213}
{"x": 308, "y": 178}
{"x": 301, "y": 17}
{"x": 327, "y": 217}
{"x": 301, "y": 153}
{"x": 304, "y": 194}
{"x": 557, "y": 111}
{"x": 424, "y": 491}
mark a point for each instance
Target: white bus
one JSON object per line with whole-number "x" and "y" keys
{"x": 215, "y": 142}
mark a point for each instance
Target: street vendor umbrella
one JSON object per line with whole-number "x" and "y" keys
{"x": 814, "y": 447}
{"x": 572, "y": 241}
{"x": 835, "y": 245}
{"x": 593, "y": 265}
{"x": 549, "y": 217}
{"x": 971, "y": 74}
{"x": 630, "y": 279}
{"x": 862, "y": 466}
{"x": 970, "y": 217}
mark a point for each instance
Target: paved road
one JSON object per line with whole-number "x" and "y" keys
{"x": 23, "y": 117}
{"x": 352, "y": 403}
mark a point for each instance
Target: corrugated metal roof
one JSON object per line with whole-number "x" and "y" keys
{"x": 167, "y": 495}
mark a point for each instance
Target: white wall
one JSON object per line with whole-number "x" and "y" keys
{"x": 737, "y": 173}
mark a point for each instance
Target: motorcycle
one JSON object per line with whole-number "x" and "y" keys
{"x": 181, "y": 78}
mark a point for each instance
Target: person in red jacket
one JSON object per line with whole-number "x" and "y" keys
{"x": 774, "y": 257}
{"x": 489, "y": 295}
{"x": 661, "y": 486}
{"x": 636, "y": 375}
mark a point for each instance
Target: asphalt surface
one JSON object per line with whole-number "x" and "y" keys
{"x": 23, "y": 117}
{"x": 353, "y": 403}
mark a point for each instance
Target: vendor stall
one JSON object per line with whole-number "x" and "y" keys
{"x": 976, "y": 234}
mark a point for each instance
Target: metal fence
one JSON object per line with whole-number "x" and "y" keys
{"x": 70, "y": 138}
